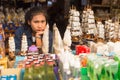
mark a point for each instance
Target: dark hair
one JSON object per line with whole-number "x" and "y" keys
{"x": 34, "y": 11}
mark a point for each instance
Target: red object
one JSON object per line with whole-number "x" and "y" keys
{"x": 27, "y": 65}
{"x": 50, "y": 62}
{"x": 30, "y": 57}
{"x": 37, "y": 65}
{"x": 82, "y": 49}
{"x": 42, "y": 63}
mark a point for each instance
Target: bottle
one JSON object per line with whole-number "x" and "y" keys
{"x": 28, "y": 74}
{"x": 2, "y": 47}
{"x": 55, "y": 69}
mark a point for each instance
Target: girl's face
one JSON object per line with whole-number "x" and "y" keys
{"x": 38, "y": 23}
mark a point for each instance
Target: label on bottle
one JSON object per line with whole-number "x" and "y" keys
{"x": 5, "y": 77}
{"x": 12, "y": 77}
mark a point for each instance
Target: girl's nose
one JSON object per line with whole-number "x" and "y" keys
{"x": 40, "y": 25}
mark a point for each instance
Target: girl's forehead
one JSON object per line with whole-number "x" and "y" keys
{"x": 40, "y": 13}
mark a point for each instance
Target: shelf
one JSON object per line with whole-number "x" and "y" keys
{"x": 98, "y": 5}
{"x": 102, "y": 16}
{"x": 115, "y": 7}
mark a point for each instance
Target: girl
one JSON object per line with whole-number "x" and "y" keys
{"x": 35, "y": 23}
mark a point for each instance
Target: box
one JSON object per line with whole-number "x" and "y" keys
{"x": 11, "y": 71}
{"x": 11, "y": 64}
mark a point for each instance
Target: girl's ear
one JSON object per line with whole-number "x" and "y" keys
{"x": 28, "y": 22}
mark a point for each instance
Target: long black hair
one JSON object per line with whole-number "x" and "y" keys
{"x": 32, "y": 12}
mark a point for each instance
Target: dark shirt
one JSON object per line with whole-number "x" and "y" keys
{"x": 28, "y": 32}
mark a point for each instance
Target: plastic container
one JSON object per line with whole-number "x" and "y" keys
{"x": 13, "y": 77}
{"x": 5, "y": 77}
{"x": 84, "y": 74}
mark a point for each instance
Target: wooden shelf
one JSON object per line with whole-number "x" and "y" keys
{"x": 98, "y": 5}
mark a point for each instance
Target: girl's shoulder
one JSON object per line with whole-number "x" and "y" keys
{"x": 19, "y": 30}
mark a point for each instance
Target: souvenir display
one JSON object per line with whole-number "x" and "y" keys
{"x": 100, "y": 30}
{"x": 39, "y": 66}
{"x": 75, "y": 24}
{"x": 45, "y": 39}
{"x": 88, "y": 21}
{"x": 11, "y": 43}
{"x": 111, "y": 30}
{"x": 67, "y": 38}
{"x": 57, "y": 41}
{"x": 95, "y": 55}
{"x": 21, "y": 15}
{"x": 24, "y": 45}
{"x": 2, "y": 17}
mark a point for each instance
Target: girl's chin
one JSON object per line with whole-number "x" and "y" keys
{"x": 39, "y": 30}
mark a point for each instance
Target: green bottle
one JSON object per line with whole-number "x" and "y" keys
{"x": 28, "y": 74}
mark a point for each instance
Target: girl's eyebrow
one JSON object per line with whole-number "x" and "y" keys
{"x": 40, "y": 21}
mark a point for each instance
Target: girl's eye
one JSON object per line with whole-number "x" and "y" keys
{"x": 36, "y": 21}
{"x": 43, "y": 21}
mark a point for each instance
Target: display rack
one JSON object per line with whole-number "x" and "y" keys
{"x": 101, "y": 11}
{"x": 106, "y": 10}
{"x": 115, "y": 7}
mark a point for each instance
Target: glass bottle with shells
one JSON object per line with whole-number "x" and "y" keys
{"x": 74, "y": 21}
{"x": 88, "y": 23}
{"x": 2, "y": 17}
{"x": 112, "y": 30}
{"x": 11, "y": 43}
{"x": 24, "y": 45}
{"x": 8, "y": 16}
{"x": 21, "y": 15}
{"x": 100, "y": 31}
